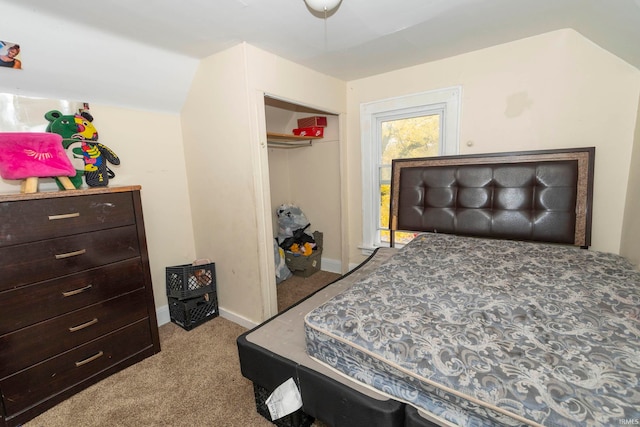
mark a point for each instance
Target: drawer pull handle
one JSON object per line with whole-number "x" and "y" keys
{"x": 64, "y": 216}
{"x": 70, "y": 254}
{"x": 76, "y": 291}
{"x": 84, "y": 325}
{"x": 90, "y": 359}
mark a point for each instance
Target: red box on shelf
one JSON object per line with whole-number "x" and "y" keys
{"x": 315, "y": 121}
{"x": 309, "y": 131}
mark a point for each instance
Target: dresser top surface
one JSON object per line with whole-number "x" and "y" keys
{"x": 12, "y": 197}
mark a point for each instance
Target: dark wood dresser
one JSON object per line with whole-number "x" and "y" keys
{"x": 76, "y": 301}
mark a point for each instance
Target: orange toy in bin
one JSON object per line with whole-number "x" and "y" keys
{"x": 310, "y": 131}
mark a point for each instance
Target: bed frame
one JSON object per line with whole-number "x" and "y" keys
{"x": 543, "y": 196}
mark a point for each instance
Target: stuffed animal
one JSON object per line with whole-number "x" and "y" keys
{"x": 80, "y": 137}
{"x": 72, "y": 137}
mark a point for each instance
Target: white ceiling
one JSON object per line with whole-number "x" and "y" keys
{"x": 361, "y": 37}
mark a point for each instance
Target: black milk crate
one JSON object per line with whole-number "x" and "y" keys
{"x": 189, "y": 281}
{"x": 194, "y": 311}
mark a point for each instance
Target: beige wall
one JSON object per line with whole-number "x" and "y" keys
{"x": 315, "y": 187}
{"x": 224, "y": 133}
{"x": 555, "y": 90}
{"x": 217, "y": 138}
{"x": 630, "y": 245}
{"x": 150, "y": 149}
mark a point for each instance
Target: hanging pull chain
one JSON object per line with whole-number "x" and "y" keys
{"x": 326, "y": 44}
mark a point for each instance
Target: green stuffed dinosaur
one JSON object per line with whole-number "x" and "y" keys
{"x": 79, "y": 139}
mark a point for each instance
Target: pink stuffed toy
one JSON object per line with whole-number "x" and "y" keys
{"x": 33, "y": 154}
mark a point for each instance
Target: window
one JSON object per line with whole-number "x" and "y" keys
{"x": 419, "y": 125}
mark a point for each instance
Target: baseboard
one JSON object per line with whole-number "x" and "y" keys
{"x": 242, "y": 321}
{"x": 331, "y": 265}
{"x": 163, "y": 316}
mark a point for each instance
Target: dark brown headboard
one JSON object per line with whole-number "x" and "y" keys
{"x": 534, "y": 195}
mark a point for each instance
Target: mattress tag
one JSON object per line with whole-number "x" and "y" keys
{"x": 284, "y": 400}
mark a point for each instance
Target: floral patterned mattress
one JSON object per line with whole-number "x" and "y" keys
{"x": 484, "y": 332}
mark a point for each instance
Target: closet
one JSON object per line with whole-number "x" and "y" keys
{"x": 305, "y": 171}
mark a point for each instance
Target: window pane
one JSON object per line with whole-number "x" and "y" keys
{"x": 410, "y": 137}
{"x": 385, "y": 194}
{"x": 403, "y": 138}
{"x": 411, "y": 128}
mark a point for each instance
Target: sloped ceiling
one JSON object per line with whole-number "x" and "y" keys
{"x": 361, "y": 37}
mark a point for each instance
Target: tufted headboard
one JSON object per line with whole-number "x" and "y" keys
{"x": 534, "y": 195}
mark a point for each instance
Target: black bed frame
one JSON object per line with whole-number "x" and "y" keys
{"x": 534, "y": 195}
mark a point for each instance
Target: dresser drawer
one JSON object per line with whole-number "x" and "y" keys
{"x": 25, "y": 347}
{"x": 35, "y": 262}
{"x": 22, "y": 222}
{"x": 53, "y": 376}
{"x": 41, "y": 301}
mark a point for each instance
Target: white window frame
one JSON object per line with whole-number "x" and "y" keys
{"x": 445, "y": 102}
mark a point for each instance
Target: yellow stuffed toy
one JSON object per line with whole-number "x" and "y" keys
{"x": 305, "y": 249}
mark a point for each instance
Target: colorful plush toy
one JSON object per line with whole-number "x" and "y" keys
{"x": 80, "y": 137}
{"x": 72, "y": 137}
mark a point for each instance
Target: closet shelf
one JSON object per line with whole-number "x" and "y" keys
{"x": 284, "y": 140}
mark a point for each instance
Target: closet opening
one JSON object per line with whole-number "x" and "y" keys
{"x": 304, "y": 184}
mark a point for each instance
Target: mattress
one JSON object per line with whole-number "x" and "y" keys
{"x": 491, "y": 332}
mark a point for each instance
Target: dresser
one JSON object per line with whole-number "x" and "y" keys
{"x": 76, "y": 301}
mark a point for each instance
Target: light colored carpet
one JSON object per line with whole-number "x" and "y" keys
{"x": 194, "y": 381}
{"x": 296, "y": 288}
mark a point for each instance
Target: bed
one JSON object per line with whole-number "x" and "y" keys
{"x": 496, "y": 315}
